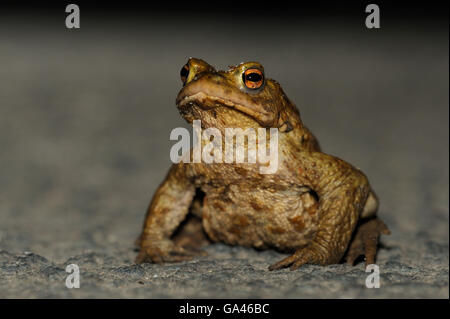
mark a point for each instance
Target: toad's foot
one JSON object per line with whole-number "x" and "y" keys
{"x": 191, "y": 235}
{"x": 165, "y": 251}
{"x": 307, "y": 255}
{"x": 365, "y": 241}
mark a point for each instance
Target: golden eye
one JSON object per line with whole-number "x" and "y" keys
{"x": 184, "y": 73}
{"x": 253, "y": 78}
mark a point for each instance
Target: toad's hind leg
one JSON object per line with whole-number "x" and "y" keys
{"x": 365, "y": 240}
{"x": 367, "y": 233}
{"x": 371, "y": 206}
{"x": 191, "y": 235}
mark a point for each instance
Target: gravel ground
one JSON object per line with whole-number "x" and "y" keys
{"x": 85, "y": 118}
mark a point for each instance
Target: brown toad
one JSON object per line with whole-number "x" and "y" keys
{"x": 311, "y": 206}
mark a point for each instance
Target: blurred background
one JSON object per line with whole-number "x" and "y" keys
{"x": 85, "y": 118}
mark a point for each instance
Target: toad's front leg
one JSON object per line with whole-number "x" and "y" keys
{"x": 167, "y": 210}
{"x": 342, "y": 191}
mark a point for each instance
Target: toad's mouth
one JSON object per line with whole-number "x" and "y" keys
{"x": 203, "y": 97}
{"x": 206, "y": 102}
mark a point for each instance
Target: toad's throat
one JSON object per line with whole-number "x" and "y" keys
{"x": 206, "y": 101}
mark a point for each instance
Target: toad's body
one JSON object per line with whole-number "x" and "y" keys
{"x": 310, "y": 206}
{"x": 242, "y": 206}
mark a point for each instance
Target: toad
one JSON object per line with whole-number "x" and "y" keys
{"x": 316, "y": 207}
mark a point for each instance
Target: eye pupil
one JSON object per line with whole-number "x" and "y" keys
{"x": 184, "y": 73}
{"x": 253, "y": 77}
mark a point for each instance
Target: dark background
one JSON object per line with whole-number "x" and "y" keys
{"x": 85, "y": 118}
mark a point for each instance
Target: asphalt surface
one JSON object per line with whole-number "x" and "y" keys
{"x": 85, "y": 118}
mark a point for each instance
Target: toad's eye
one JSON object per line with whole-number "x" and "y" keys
{"x": 253, "y": 78}
{"x": 184, "y": 73}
